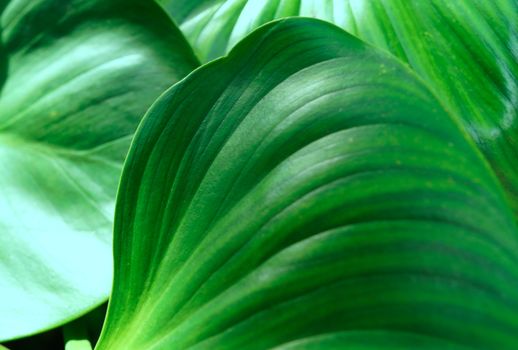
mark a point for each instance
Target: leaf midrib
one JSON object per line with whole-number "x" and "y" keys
{"x": 18, "y": 142}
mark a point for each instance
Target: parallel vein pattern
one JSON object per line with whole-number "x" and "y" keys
{"x": 308, "y": 191}
{"x": 466, "y": 50}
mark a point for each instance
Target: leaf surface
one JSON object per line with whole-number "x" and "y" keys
{"x": 466, "y": 50}
{"x": 77, "y": 76}
{"x": 307, "y": 191}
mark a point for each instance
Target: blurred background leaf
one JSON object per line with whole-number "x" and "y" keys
{"x": 79, "y": 76}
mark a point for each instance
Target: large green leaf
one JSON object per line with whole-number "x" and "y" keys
{"x": 309, "y": 188}
{"x": 466, "y": 50}
{"x": 77, "y": 77}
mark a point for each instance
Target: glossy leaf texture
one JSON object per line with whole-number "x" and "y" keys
{"x": 77, "y": 76}
{"x": 466, "y": 50}
{"x": 309, "y": 191}
{"x": 213, "y": 27}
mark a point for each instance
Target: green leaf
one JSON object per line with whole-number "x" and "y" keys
{"x": 75, "y": 335}
{"x": 84, "y": 332}
{"x": 466, "y": 50}
{"x": 308, "y": 185}
{"x": 371, "y": 340}
{"x": 78, "y": 77}
{"x": 214, "y": 26}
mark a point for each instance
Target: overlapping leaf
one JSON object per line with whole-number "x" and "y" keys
{"x": 466, "y": 50}
{"x": 76, "y": 78}
{"x": 308, "y": 191}
{"x": 214, "y": 26}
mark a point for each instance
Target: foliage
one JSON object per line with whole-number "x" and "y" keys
{"x": 318, "y": 187}
{"x": 78, "y": 75}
